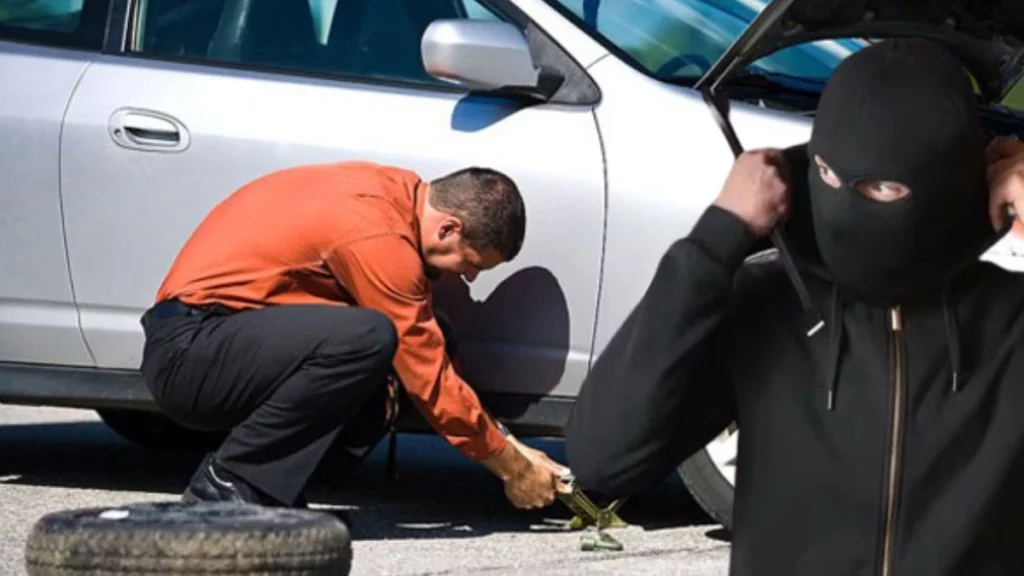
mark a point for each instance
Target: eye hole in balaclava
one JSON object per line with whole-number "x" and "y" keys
{"x": 898, "y": 189}
{"x": 877, "y": 190}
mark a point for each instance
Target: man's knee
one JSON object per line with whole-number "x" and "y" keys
{"x": 358, "y": 337}
{"x": 381, "y": 337}
{"x": 377, "y": 339}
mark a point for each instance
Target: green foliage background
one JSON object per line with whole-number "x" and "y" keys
{"x": 1015, "y": 99}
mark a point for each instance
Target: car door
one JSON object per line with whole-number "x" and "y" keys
{"x": 213, "y": 93}
{"x": 44, "y": 48}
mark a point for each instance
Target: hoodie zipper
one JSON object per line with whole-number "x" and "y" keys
{"x": 894, "y": 446}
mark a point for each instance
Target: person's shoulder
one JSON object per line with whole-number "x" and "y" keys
{"x": 383, "y": 175}
{"x": 764, "y": 291}
{"x": 343, "y": 178}
{"x": 386, "y": 188}
{"x": 373, "y": 197}
{"x": 392, "y": 259}
{"x": 998, "y": 279}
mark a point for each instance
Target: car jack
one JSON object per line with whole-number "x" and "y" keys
{"x": 589, "y": 515}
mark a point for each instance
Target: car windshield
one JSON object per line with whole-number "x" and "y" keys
{"x": 679, "y": 40}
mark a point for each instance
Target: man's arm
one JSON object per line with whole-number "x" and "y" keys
{"x": 384, "y": 273}
{"x": 660, "y": 390}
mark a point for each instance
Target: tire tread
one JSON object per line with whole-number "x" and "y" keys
{"x": 709, "y": 488}
{"x": 69, "y": 543}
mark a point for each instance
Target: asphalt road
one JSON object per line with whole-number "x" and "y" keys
{"x": 447, "y": 515}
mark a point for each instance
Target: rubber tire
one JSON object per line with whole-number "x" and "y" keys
{"x": 220, "y": 538}
{"x": 156, "y": 431}
{"x": 713, "y": 493}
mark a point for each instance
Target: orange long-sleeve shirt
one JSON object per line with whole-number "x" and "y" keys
{"x": 338, "y": 234}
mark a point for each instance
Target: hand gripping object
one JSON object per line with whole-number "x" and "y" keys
{"x": 588, "y": 514}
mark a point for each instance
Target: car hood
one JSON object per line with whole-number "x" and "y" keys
{"x": 987, "y": 35}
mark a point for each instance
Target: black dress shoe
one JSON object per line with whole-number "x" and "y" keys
{"x": 211, "y": 483}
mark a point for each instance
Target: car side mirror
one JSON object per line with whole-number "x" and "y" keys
{"x": 485, "y": 56}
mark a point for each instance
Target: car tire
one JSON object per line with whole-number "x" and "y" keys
{"x": 220, "y": 538}
{"x": 711, "y": 484}
{"x": 156, "y": 431}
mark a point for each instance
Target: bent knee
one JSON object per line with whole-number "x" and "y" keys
{"x": 359, "y": 334}
{"x": 381, "y": 335}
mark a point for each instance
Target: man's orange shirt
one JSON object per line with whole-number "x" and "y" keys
{"x": 336, "y": 234}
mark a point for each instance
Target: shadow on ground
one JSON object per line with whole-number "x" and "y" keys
{"x": 438, "y": 494}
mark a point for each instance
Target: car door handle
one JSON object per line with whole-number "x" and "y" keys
{"x": 148, "y": 130}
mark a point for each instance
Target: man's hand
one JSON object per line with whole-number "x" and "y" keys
{"x": 1006, "y": 179}
{"x": 531, "y": 478}
{"x": 539, "y": 458}
{"x": 756, "y": 190}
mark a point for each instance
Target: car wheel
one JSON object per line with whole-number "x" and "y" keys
{"x": 710, "y": 476}
{"x": 228, "y": 539}
{"x": 155, "y": 430}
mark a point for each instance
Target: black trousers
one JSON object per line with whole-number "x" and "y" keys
{"x": 302, "y": 388}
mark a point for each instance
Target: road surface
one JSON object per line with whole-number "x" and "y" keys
{"x": 447, "y": 515}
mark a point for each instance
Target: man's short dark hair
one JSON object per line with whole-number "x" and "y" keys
{"x": 489, "y": 205}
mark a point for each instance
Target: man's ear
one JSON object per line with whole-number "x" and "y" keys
{"x": 448, "y": 227}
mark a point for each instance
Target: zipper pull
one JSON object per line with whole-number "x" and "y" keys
{"x": 897, "y": 319}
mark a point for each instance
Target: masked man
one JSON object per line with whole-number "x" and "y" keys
{"x": 889, "y": 441}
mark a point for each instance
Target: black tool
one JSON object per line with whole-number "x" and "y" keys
{"x": 720, "y": 110}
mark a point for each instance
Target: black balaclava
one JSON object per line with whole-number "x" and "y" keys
{"x": 900, "y": 110}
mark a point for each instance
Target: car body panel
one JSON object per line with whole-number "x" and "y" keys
{"x": 525, "y": 327}
{"x": 38, "y": 320}
{"x": 656, "y": 193}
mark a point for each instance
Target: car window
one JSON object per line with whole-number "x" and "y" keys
{"x": 681, "y": 39}
{"x": 74, "y": 23}
{"x": 372, "y": 39}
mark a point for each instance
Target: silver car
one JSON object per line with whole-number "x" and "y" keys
{"x": 122, "y": 123}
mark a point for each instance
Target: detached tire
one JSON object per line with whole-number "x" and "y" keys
{"x": 164, "y": 538}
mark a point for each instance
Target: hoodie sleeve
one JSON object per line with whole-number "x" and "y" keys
{"x": 659, "y": 391}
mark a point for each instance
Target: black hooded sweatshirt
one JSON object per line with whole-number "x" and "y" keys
{"x": 890, "y": 440}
